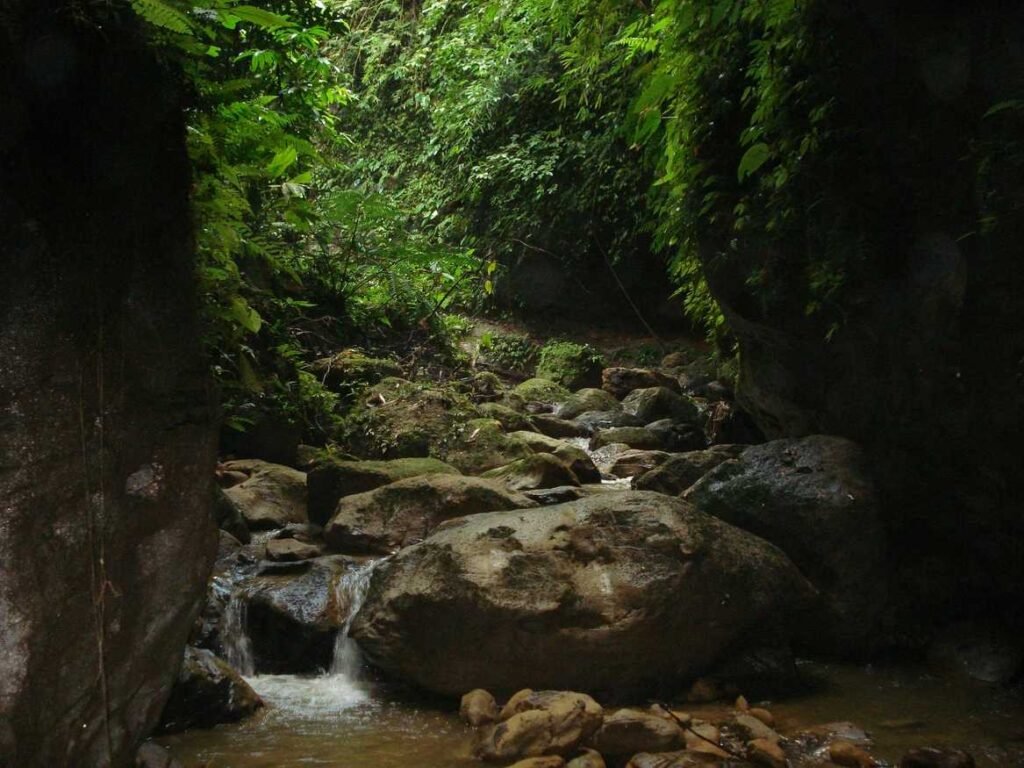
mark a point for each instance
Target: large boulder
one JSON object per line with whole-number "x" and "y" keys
{"x": 207, "y": 692}
{"x": 577, "y": 459}
{"x": 349, "y": 370}
{"x": 107, "y": 438}
{"x": 483, "y": 445}
{"x": 272, "y": 497}
{"x": 815, "y": 500}
{"x": 621, "y": 591}
{"x": 634, "y": 462}
{"x": 629, "y": 731}
{"x": 652, "y": 403}
{"x": 396, "y": 515}
{"x": 541, "y": 390}
{"x": 331, "y": 478}
{"x": 638, "y": 438}
{"x": 621, "y": 381}
{"x": 587, "y": 400}
{"x": 682, "y": 470}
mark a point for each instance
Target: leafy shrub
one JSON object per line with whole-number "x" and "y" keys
{"x": 569, "y": 364}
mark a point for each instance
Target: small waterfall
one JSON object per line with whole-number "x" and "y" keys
{"x": 351, "y": 589}
{"x": 236, "y": 642}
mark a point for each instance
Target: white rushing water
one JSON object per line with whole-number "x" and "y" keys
{"x": 342, "y": 687}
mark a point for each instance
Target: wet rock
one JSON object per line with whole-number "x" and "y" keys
{"x": 552, "y": 761}
{"x": 350, "y": 369}
{"x": 541, "y": 390}
{"x": 982, "y": 652}
{"x": 548, "y": 496}
{"x": 605, "y": 593}
{"x": 510, "y": 419}
{"x": 728, "y": 423}
{"x": 633, "y": 462}
{"x": 587, "y": 400}
{"x": 483, "y": 445}
{"x": 763, "y": 715}
{"x": 850, "y": 755}
{"x": 655, "y": 403}
{"x": 634, "y": 437}
{"x": 330, "y": 479}
{"x": 766, "y": 752}
{"x": 228, "y": 515}
{"x": 542, "y": 723}
{"x": 273, "y": 496}
{"x": 552, "y": 426}
{"x": 393, "y": 516}
{"x": 478, "y": 708}
{"x": 587, "y": 759}
{"x": 682, "y": 759}
{"x": 750, "y": 728}
{"x": 540, "y": 470}
{"x": 291, "y": 550}
{"x": 575, "y": 458}
{"x": 206, "y": 693}
{"x": 680, "y": 471}
{"x": 152, "y": 755}
{"x": 592, "y": 421}
{"x": 931, "y": 757}
{"x": 677, "y": 437}
{"x": 629, "y": 731}
{"x": 621, "y": 381}
{"x": 814, "y": 499}
{"x": 292, "y": 618}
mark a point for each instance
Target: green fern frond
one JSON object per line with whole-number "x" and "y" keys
{"x": 163, "y": 14}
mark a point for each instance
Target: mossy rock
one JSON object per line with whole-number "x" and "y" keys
{"x": 352, "y": 369}
{"x": 541, "y": 390}
{"x": 587, "y": 399}
{"x": 401, "y": 419}
{"x": 510, "y": 352}
{"x": 511, "y": 420}
{"x": 571, "y": 365}
{"x": 484, "y": 445}
{"x": 332, "y": 478}
{"x": 540, "y": 470}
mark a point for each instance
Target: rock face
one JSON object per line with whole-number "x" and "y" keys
{"x": 207, "y": 692}
{"x": 814, "y": 499}
{"x": 402, "y": 513}
{"x": 615, "y": 592}
{"x": 106, "y": 439}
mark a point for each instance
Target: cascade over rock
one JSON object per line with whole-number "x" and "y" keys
{"x": 106, "y": 449}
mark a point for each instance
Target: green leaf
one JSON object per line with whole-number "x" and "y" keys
{"x": 247, "y": 317}
{"x": 282, "y": 161}
{"x": 1004, "y": 106}
{"x": 753, "y": 159}
{"x": 260, "y": 17}
{"x": 161, "y": 13}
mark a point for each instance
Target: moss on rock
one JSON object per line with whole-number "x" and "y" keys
{"x": 571, "y": 365}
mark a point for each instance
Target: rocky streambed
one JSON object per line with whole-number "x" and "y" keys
{"x": 624, "y": 542}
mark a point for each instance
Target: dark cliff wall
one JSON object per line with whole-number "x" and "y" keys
{"x": 928, "y": 369}
{"x": 106, "y": 443}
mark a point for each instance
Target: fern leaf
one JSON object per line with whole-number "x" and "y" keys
{"x": 163, "y": 14}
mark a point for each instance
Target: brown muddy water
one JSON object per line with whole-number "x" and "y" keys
{"x": 331, "y": 721}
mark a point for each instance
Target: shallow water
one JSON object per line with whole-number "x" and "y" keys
{"x": 330, "y": 721}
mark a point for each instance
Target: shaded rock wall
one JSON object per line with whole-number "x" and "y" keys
{"x": 106, "y": 450}
{"x": 928, "y": 370}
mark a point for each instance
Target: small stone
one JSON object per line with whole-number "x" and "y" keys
{"x": 291, "y": 550}
{"x": 766, "y": 752}
{"x": 846, "y": 754}
{"x": 930, "y": 757}
{"x": 703, "y": 691}
{"x": 552, "y": 761}
{"x": 741, "y": 704}
{"x": 588, "y": 758}
{"x": 752, "y": 728}
{"x": 630, "y": 731}
{"x": 763, "y": 715}
{"x": 478, "y": 708}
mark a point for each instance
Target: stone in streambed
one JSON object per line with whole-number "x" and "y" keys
{"x": 535, "y": 723}
{"x": 629, "y": 731}
{"x": 510, "y": 419}
{"x": 552, "y": 761}
{"x": 388, "y": 518}
{"x": 678, "y": 436}
{"x": 767, "y": 753}
{"x": 331, "y": 479}
{"x": 206, "y": 693}
{"x": 587, "y": 400}
{"x": 541, "y": 390}
{"x": 588, "y": 758}
{"x": 540, "y": 470}
{"x": 572, "y": 456}
{"x": 682, "y": 759}
{"x": 272, "y": 497}
{"x": 593, "y": 421}
{"x": 850, "y": 755}
{"x": 655, "y": 403}
{"x": 931, "y": 757}
{"x": 634, "y": 462}
{"x": 814, "y": 498}
{"x": 619, "y": 382}
{"x": 292, "y": 550}
{"x": 634, "y": 437}
{"x": 619, "y": 591}
{"x": 478, "y": 707}
{"x": 552, "y": 426}
{"x": 682, "y": 470}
